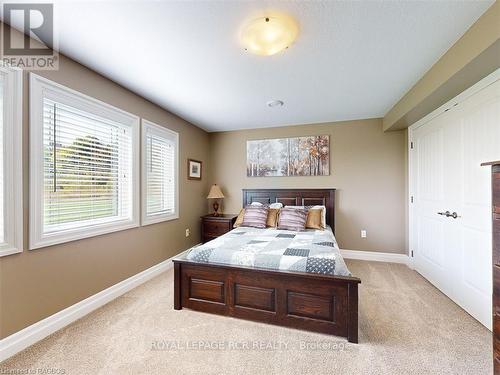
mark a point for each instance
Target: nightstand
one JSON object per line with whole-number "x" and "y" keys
{"x": 215, "y": 226}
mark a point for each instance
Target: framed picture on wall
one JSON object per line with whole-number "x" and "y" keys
{"x": 297, "y": 156}
{"x": 194, "y": 169}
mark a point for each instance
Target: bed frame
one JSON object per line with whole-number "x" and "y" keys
{"x": 321, "y": 303}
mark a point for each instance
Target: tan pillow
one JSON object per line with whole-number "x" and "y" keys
{"x": 239, "y": 219}
{"x": 314, "y": 219}
{"x": 272, "y": 217}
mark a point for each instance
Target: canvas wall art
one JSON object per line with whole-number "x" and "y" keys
{"x": 299, "y": 156}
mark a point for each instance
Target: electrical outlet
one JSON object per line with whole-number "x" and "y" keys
{"x": 363, "y": 233}
{"x": 188, "y": 232}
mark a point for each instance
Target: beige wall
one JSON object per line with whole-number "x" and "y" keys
{"x": 35, "y": 284}
{"x": 475, "y": 55}
{"x": 367, "y": 166}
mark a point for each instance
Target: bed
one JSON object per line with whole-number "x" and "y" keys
{"x": 246, "y": 273}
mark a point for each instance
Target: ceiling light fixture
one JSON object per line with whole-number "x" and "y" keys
{"x": 269, "y": 35}
{"x": 275, "y": 103}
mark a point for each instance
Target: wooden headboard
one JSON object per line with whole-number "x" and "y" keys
{"x": 295, "y": 197}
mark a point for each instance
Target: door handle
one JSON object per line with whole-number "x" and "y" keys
{"x": 449, "y": 214}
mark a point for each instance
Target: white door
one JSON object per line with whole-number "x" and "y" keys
{"x": 454, "y": 253}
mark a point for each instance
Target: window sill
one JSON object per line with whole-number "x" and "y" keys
{"x": 9, "y": 250}
{"x": 158, "y": 219}
{"x": 73, "y": 235}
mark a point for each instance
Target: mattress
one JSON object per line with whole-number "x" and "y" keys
{"x": 312, "y": 251}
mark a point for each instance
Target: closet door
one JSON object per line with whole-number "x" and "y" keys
{"x": 437, "y": 171}
{"x": 451, "y": 228}
{"x": 481, "y": 139}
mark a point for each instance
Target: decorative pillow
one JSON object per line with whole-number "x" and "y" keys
{"x": 323, "y": 214}
{"x": 255, "y": 216}
{"x": 272, "y": 217}
{"x": 314, "y": 219}
{"x": 239, "y": 219}
{"x": 292, "y": 219}
{"x": 321, "y": 209}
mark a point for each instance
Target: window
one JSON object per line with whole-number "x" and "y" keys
{"x": 11, "y": 191}
{"x": 159, "y": 173}
{"x": 84, "y": 165}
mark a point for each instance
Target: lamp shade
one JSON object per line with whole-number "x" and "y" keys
{"x": 215, "y": 192}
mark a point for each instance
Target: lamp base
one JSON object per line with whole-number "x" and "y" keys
{"x": 216, "y": 209}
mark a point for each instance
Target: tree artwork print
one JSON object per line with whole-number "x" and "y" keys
{"x": 300, "y": 156}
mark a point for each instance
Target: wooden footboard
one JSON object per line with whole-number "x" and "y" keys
{"x": 321, "y": 303}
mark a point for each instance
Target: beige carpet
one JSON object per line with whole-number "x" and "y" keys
{"x": 406, "y": 327}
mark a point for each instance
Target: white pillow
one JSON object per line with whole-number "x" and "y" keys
{"x": 323, "y": 212}
{"x": 272, "y": 205}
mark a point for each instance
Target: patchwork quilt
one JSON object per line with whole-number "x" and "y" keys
{"x": 314, "y": 251}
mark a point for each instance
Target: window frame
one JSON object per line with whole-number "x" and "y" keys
{"x": 39, "y": 89}
{"x": 160, "y": 131}
{"x": 13, "y": 161}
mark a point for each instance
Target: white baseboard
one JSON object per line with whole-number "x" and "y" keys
{"x": 376, "y": 256}
{"x": 28, "y": 336}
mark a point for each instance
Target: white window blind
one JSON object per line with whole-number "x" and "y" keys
{"x": 87, "y": 168}
{"x": 83, "y": 166}
{"x": 11, "y": 190}
{"x": 159, "y": 173}
{"x": 160, "y": 164}
{"x": 2, "y": 185}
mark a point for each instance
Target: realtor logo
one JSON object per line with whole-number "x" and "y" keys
{"x": 34, "y": 50}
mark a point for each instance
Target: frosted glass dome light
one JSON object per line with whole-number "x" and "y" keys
{"x": 267, "y": 36}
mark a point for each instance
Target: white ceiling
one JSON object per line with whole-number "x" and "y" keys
{"x": 352, "y": 60}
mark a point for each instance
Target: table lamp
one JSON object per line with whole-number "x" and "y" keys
{"x": 215, "y": 193}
